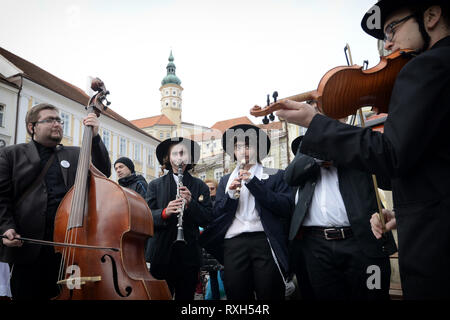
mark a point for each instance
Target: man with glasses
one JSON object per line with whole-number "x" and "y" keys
{"x": 414, "y": 150}
{"x": 34, "y": 177}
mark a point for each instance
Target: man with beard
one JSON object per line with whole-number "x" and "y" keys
{"x": 34, "y": 177}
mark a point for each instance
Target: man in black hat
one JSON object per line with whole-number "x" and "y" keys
{"x": 127, "y": 176}
{"x": 172, "y": 261}
{"x": 252, "y": 210}
{"x": 414, "y": 150}
{"x": 330, "y": 235}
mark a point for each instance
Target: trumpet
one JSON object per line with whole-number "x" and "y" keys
{"x": 180, "y": 231}
{"x": 237, "y": 194}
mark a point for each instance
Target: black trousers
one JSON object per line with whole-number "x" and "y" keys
{"x": 36, "y": 281}
{"x": 181, "y": 280}
{"x": 339, "y": 270}
{"x": 424, "y": 251}
{"x": 249, "y": 269}
{"x": 298, "y": 266}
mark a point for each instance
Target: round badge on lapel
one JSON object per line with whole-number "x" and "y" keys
{"x": 65, "y": 164}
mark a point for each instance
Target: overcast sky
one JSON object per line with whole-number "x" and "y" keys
{"x": 229, "y": 54}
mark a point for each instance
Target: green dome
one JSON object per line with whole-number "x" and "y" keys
{"x": 171, "y": 76}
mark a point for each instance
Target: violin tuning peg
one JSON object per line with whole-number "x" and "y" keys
{"x": 271, "y": 117}
{"x": 265, "y": 120}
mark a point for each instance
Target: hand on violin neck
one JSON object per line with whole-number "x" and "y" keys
{"x": 299, "y": 113}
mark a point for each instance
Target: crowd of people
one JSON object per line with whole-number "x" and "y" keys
{"x": 258, "y": 228}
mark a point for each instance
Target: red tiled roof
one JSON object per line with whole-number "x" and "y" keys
{"x": 225, "y": 124}
{"x": 152, "y": 121}
{"x": 277, "y": 125}
{"x": 207, "y": 135}
{"x": 51, "y": 82}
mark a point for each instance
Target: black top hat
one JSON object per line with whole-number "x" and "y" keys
{"x": 295, "y": 144}
{"x": 255, "y": 135}
{"x": 163, "y": 148}
{"x": 373, "y": 24}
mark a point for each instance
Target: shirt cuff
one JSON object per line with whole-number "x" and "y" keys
{"x": 231, "y": 193}
{"x": 163, "y": 214}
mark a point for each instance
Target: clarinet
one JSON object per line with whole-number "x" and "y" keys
{"x": 237, "y": 193}
{"x": 180, "y": 232}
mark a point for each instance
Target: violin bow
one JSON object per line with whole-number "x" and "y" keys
{"x": 361, "y": 117}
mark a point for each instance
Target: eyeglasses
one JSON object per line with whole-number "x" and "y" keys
{"x": 242, "y": 147}
{"x": 51, "y": 121}
{"x": 389, "y": 32}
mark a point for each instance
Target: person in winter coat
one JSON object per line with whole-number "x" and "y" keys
{"x": 127, "y": 176}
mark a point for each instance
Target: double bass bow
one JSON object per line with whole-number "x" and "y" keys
{"x": 104, "y": 228}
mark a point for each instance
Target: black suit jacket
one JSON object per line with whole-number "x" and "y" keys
{"x": 414, "y": 151}
{"x": 198, "y": 214}
{"x": 19, "y": 168}
{"x": 359, "y": 198}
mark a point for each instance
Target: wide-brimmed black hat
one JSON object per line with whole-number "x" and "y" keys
{"x": 241, "y": 131}
{"x": 163, "y": 148}
{"x": 295, "y": 144}
{"x": 374, "y": 19}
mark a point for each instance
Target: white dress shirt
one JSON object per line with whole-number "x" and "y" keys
{"x": 327, "y": 208}
{"x": 247, "y": 218}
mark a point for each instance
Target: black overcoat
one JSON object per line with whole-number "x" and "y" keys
{"x": 19, "y": 167}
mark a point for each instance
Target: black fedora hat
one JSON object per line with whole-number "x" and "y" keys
{"x": 163, "y": 148}
{"x": 246, "y": 130}
{"x": 374, "y": 19}
{"x": 295, "y": 144}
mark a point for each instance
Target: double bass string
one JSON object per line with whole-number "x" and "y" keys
{"x": 78, "y": 205}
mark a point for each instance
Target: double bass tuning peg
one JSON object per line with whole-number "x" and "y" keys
{"x": 265, "y": 120}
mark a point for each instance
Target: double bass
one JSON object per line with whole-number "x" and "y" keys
{"x": 102, "y": 230}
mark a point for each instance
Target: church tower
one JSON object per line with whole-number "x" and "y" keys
{"x": 171, "y": 94}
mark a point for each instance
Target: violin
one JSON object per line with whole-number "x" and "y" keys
{"x": 345, "y": 89}
{"x": 101, "y": 230}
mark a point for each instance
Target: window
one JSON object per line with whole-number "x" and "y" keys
{"x": 168, "y": 135}
{"x": 123, "y": 146}
{"x": 66, "y": 127}
{"x": 218, "y": 174}
{"x": 2, "y": 115}
{"x": 106, "y": 137}
{"x": 161, "y": 135}
{"x": 137, "y": 152}
{"x": 150, "y": 158}
{"x": 174, "y": 93}
{"x": 174, "y": 104}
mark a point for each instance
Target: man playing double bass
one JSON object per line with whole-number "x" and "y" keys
{"x": 28, "y": 208}
{"x": 414, "y": 150}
